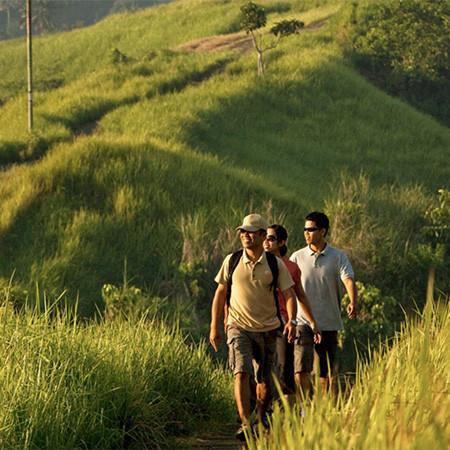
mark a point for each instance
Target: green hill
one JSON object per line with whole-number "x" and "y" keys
{"x": 151, "y": 156}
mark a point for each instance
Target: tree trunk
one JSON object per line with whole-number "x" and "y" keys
{"x": 260, "y": 64}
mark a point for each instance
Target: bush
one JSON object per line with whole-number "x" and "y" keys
{"x": 376, "y": 321}
{"x": 385, "y": 230}
{"x": 404, "y": 44}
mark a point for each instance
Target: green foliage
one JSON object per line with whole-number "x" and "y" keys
{"x": 117, "y": 57}
{"x": 377, "y": 321}
{"x": 114, "y": 384}
{"x": 410, "y": 37}
{"x": 128, "y": 301}
{"x": 438, "y": 217}
{"x": 253, "y": 17}
{"x": 399, "y": 398}
{"x": 388, "y": 249}
{"x": 13, "y": 294}
{"x": 405, "y": 45}
{"x": 287, "y": 27}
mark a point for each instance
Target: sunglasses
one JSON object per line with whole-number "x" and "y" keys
{"x": 271, "y": 238}
{"x": 310, "y": 229}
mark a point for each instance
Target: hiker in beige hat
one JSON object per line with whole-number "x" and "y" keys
{"x": 247, "y": 283}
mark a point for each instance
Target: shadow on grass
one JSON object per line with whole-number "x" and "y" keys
{"x": 91, "y": 205}
{"x": 301, "y": 132}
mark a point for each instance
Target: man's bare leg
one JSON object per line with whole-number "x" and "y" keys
{"x": 263, "y": 397}
{"x": 328, "y": 385}
{"x": 242, "y": 396}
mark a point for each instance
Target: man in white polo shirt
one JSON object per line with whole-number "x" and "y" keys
{"x": 325, "y": 271}
{"x": 253, "y": 321}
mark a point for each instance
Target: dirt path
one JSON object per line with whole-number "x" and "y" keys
{"x": 239, "y": 42}
{"x": 220, "y": 439}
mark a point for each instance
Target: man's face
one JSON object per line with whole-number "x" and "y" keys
{"x": 313, "y": 235}
{"x": 252, "y": 239}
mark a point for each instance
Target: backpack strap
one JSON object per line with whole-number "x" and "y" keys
{"x": 232, "y": 264}
{"x": 273, "y": 264}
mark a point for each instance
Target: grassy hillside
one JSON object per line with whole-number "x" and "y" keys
{"x": 180, "y": 146}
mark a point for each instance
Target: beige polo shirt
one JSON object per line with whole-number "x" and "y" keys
{"x": 252, "y": 304}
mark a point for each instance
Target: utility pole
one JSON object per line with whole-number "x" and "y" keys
{"x": 30, "y": 66}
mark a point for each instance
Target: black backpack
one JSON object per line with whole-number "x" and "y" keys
{"x": 273, "y": 264}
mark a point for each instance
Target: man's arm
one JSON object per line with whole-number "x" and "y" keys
{"x": 306, "y": 308}
{"x": 350, "y": 287}
{"x": 291, "y": 308}
{"x": 217, "y": 308}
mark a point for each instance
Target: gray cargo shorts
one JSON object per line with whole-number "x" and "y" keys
{"x": 246, "y": 347}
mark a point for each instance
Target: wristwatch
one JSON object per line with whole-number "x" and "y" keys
{"x": 294, "y": 322}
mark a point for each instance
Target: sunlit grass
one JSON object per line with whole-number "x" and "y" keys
{"x": 102, "y": 385}
{"x": 400, "y": 399}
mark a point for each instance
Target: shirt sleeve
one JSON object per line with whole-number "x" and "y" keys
{"x": 345, "y": 267}
{"x": 296, "y": 274}
{"x": 293, "y": 258}
{"x": 284, "y": 277}
{"x": 222, "y": 275}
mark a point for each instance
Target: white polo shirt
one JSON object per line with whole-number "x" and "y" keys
{"x": 322, "y": 276}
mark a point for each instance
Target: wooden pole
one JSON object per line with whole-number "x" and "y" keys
{"x": 30, "y": 66}
{"x": 430, "y": 284}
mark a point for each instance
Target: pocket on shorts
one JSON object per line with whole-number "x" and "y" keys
{"x": 305, "y": 335}
{"x": 232, "y": 334}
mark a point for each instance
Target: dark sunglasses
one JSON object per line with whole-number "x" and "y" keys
{"x": 271, "y": 238}
{"x": 310, "y": 229}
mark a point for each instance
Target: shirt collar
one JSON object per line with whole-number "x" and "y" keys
{"x": 323, "y": 252}
{"x": 247, "y": 260}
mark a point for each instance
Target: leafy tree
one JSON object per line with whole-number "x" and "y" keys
{"x": 253, "y": 18}
{"x": 404, "y": 45}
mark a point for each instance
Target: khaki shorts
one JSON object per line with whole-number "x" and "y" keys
{"x": 305, "y": 346}
{"x": 246, "y": 347}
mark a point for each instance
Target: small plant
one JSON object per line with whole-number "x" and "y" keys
{"x": 438, "y": 217}
{"x": 128, "y": 301}
{"x": 253, "y": 18}
{"x": 117, "y": 57}
{"x": 376, "y": 319}
{"x": 12, "y": 294}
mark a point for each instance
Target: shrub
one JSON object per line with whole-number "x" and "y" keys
{"x": 376, "y": 321}
{"x": 404, "y": 44}
{"x": 409, "y": 37}
{"x": 382, "y": 229}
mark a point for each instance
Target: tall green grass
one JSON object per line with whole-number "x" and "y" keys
{"x": 113, "y": 384}
{"x": 400, "y": 399}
